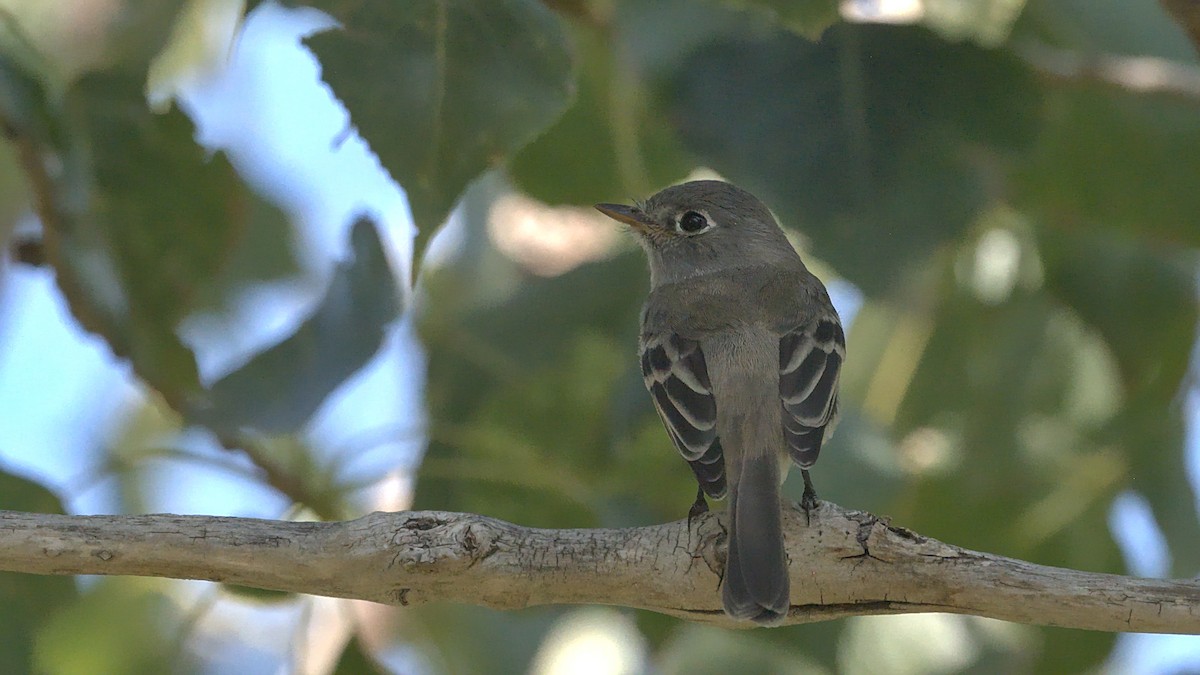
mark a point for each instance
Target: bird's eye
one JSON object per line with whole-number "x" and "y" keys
{"x": 692, "y": 222}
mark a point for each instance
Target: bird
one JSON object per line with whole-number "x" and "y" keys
{"x": 741, "y": 350}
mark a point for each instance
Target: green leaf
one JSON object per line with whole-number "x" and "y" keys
{"x": 1066, "y": 650}
{"x": 258, "y": 596}
{"x": 612, "y": 143}
{"x": 867, "y": 142}
{"x": 356, "y": 660}
{"x": 808, "y": 18}
{"x": 140, "y": 31}
{"x": 1001, "y": 421}
{"x": 28, "y": 600}
{"x": 467, "y": 639}
{"x": 25, "y": 111}
{"x": 1153, "y": 439}
{"x": 14, "y": 198}
{"x": 1133, "y": 27}
{"x": 987, "y": 22}
{"x": 1117, "y": 159}
{"x": 1139, "y": 295}
{"x": 118, "y": 626}
{"x": 280, "y": 388}
{"x": 705, "y": 650}
{"x": 142, "y": 228}
{"x": 47, "y": 41}
{"x": 166, "y": 232}
{"x": 510, "y": 437}
{"x": 264, "y": 251}
{"x": 444, "y": 89}
{"x": 20, "y": 494}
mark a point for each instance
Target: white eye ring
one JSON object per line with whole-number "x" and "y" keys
{"x": 691, "y": 223}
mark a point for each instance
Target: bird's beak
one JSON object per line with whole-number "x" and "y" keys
{"x": 630, "y": 215}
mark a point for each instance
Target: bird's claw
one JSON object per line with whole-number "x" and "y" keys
{"x": 808, "y": 501}
{"x": 699, "y": 507}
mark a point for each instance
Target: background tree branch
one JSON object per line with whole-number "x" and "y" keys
{"x": 1187, "y": 13}
{"x": 845, "y": 563}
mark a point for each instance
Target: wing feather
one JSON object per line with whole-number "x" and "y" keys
{"x": 676, "y": 374}
{"x": 810, "y": 363}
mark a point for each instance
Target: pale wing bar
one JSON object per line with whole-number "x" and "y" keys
{"x": 677, "y": 376}
{"x": 810, "y": 362}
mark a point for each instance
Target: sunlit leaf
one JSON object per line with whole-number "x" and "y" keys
{"x": 806, "y": 17}
{"x": 985, "y": 21}
{"x": 200, "y": 44}
{"x": 47, "y": 40}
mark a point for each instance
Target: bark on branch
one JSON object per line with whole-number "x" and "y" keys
{"x": 845, "y": 563}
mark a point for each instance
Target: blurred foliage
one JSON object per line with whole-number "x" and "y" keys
{"x": 85, "y": 638}
{"x": 319, "y": 355}
{"x": 483, "y": 78}
{"x": 356, "y": 660}
{"x": 1023, "y": 233}
{"x": 28, "y": 602}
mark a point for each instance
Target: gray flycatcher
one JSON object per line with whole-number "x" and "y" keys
{"x": 741, "y": 351}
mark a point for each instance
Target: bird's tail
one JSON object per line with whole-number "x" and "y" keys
{"x": 756, "y": 574}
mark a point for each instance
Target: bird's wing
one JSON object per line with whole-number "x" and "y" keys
{"x": 677, "y": 377}
{"x": 810, "y": 361}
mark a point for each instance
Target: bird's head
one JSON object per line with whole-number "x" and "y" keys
{"x": 703, "y": 227}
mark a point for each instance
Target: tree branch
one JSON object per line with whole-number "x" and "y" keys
{"x": 846, "y": 563}
{"x": 1137, "y": 74}
{"x": 1187, "y": 14}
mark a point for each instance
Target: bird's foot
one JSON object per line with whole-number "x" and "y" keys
{"x": 699, "y": 507}
{"x": 808, "y": 501}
